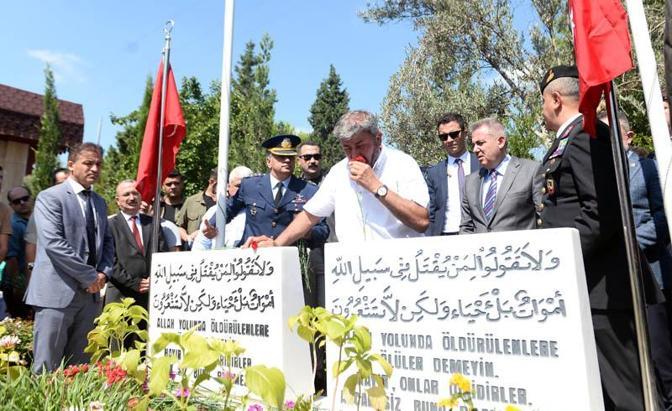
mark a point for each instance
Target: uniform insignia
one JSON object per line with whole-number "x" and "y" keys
{"x": 550, "y": 76}
{"x": 550, "y": 186}
{"x": 253, "y": 210}
{"x": 299, "y": 199}
{"x": 286, "y": 143}
{"x": 560, "y": 149}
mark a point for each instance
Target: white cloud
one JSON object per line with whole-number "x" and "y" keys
{"x": 66, "y": 66}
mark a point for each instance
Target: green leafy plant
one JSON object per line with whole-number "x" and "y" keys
{"x": 317, "y": 325}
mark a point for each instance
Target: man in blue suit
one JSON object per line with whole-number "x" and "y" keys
{"x": 75, "y": 253}
{"x": 445, "y": 180}
{"x": 272, "y": 200}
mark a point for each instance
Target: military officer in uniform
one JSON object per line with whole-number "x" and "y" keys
{"x": 273, "y": 199}
{"x": 580, "y": 191}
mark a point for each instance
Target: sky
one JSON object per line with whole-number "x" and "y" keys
{"x": 101, "y": 52}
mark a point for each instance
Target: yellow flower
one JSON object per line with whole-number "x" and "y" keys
{"x": 448, "y": 402}
{"x": 511, "y": 408}
{"x": 461, "y": 381}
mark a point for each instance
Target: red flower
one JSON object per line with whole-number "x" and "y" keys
{"x": 254, "y": 245}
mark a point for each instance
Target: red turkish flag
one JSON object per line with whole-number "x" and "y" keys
{"x": 174, "y": 130}
{"x": 602, "y": 50}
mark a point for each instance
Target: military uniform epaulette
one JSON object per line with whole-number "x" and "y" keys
{"x": 254, "y": 175}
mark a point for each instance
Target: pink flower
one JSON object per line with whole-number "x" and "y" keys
{"x": 182, "y": 392}
{"x": 255, "y": 407}
{"x": 289, "y": 404}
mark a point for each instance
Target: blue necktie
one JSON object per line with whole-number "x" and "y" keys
{"x": 491, "y": 196}
{"x": 90, "y": 228}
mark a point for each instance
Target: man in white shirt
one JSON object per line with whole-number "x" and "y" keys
{"x": 445, "y": 180}
{"x": 377, "y": 192}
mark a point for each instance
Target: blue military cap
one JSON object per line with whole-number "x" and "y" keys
{"x": 282, "y": 145}
{"x": 556, "y": 73}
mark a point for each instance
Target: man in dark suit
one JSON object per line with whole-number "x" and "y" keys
{"x": 273, "y": 199}
{"x": 132, "y": 234}
{"x": 580, "y": 191}
{"x": 504, "y": 194}
{"x": 445, "y": 180}
{"x": 74, "y": 258}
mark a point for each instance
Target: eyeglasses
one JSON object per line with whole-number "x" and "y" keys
{"x": 453, "y": 134}
{"x": 18, "y": 201}
{"x": 308, "y": 157}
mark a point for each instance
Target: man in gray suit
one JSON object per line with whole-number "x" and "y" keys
{"x": 445, "y": 180}
{"x": 75, "y": 252}
{"x": 505, "y": 193}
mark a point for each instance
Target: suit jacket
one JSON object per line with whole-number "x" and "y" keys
{"x": 130, "y": 264}
{"x": 580, "y": 192}
{"x": 649, "y": 216}
{"x": 262, "y": 217}
{"x": 61, "y": 274}
{"x": 437, "y": 183}
{"x": 518, "y": 196}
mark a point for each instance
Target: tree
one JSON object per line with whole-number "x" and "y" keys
{"x": 471, "y": 59}
{"x": 331, "y": 102}
{"x": 46, "y": 160}
{"x": 122, "y": 158}
{"x": 198, "y": 153}
{"x": 252, "y": 106}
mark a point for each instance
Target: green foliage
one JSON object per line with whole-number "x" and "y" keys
{"x": 331, "y": 102}
{"x": 471, "y": 60}
{"x": 46, "y": 156}
{"x": 317, "y": 325}
{"x": 118, "y": 322}
{"x": 267, "y": 383}
{"x": 121, "y": 160}
{"x": 198, "y": 152}
{"x": 252, "y": 106}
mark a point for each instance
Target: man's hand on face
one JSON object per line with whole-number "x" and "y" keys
{"x": 363, "y": 175}
{"x": 260, "y": 241}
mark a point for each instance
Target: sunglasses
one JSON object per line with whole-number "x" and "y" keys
{"x": 18, "y": 201}
{"x": 453, "y": 134}
{"x": 308, "y": 157}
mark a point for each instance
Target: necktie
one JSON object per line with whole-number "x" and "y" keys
{"x": 278, "y": 194}
{"x": 460, "y": 176}
{"x": 136, "y": 234}
{"x": 491, "y": 196}
{"x": 90, "y": 228}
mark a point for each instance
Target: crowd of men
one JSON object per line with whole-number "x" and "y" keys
{"x": 60, "y": 255}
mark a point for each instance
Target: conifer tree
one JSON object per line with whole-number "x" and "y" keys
{"x": 331, "y": 102}
{"x": 46, "y": 160}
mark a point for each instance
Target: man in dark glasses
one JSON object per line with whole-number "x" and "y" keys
{"x": 309, "y": 160}
{"x": 15, "y": 278}
{"x": 445, "y": 180}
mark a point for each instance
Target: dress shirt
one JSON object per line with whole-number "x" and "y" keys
{"x": 360, "y": 216}
{"x": 454, "y": 203}
{"x": 232, "y": 234}
{"x": 485, "y": 185}
{"x": 129, "y": 222}
{"x": 81, "y": 199}
{"x": 274, "y": 184}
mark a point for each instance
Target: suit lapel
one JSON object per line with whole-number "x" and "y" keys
{"x": 479, "y": 192}
{"x": 291, "y": 192}
{"x": 443, "y": 181}
{"x": 266, "y": 190}
{"x": 126, "y": 230}
{"x": 509, "y": 176}
{"x": 146, "y": 233}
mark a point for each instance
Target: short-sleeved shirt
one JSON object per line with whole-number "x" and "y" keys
{"x": 360, "y": 216}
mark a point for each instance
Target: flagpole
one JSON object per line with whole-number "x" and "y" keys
{"x": 224, "y": 113}
{"x": 632, "y": 254}
{"x": 156, "y": 218}
{"x": 646, "y": 63}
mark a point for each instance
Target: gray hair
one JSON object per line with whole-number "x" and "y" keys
{"x": 495, "y": 128}
{"x": 565, "y": 86}
{"x": 239, "y": 172}
{"x": 355, "y": 122}
{"x": 622, "y": 119}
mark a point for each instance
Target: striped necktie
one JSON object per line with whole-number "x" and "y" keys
{"x": 491, "y": 196}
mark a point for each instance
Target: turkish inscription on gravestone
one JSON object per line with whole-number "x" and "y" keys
{"x": 507, "y": 310}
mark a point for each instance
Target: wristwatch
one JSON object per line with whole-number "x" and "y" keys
{"x": 381, "y": 191}
{"x": 30, "y": 265}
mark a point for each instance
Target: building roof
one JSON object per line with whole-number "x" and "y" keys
{"x": 20, "y": 113}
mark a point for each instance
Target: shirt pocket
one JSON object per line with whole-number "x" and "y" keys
{"x": 255, "y": 208}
